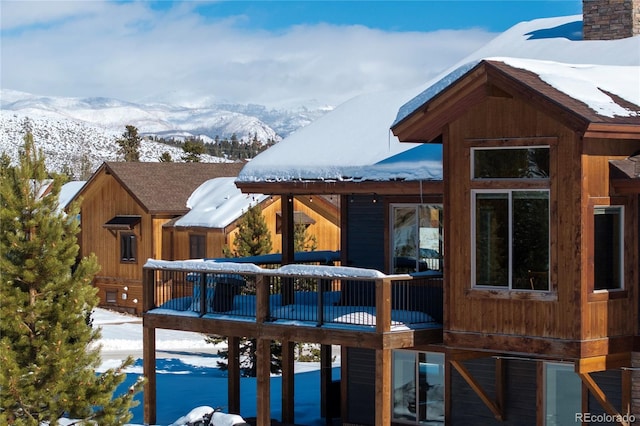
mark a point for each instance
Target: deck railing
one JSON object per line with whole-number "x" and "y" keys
{"x": 318, "y": 295}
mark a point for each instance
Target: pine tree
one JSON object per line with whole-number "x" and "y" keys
{"x": 166, "y": 157}
{"x": 47, "y": 344}
{"x": 193, "y": 150}
{"x": 130, "y": 144}
{"x": 253, "y": 237}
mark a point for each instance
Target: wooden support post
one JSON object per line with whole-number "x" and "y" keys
{"x": 383, "y": 387}
{"x": 447, "y": 389}
{"x": 288, "y": 375}
{"x": 466, "y": 375}
{"x": 262, "y": 298}
{"x": 383, "y": 305}
{"x": 500, "y": 384}
{"x": 325, "y": 381}
{"x": 626, "y": 391}
{"x": 344, "y": 370}
{"x": 149, "y": 371}
{"x": 233, "y": 374}
{"x": 600, "y": 396}
{"x": 263, "y": 383}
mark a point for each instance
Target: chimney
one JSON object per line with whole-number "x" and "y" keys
{"x": 610, "y": 19}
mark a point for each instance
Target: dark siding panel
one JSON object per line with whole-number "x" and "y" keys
{"x": 361, "y": 386}
{"x": 365, "y": 233}
{"x": 520, "y": 394}
{"x": 611, "y": 384}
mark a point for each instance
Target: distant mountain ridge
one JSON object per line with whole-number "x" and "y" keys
{"x": 71, "y": 130}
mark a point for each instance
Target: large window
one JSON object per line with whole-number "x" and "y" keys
{"x": 563, "y": 394}
{"x": 418, "y": 387}
{"x": 511, "y": 239}
{"x": 608, "y": 247}
{"x": 128, "y": 247}
{"x": 416, "y": 237}
{"x": 510, "y": 221}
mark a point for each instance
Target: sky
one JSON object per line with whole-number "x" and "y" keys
{"x": 273, "y": 53}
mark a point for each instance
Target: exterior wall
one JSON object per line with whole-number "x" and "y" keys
{"x": 570, "y": 313}
{"x": 361, "y": 386}
{"x": 101, "y": 202}
{"x": 610, "y": 19}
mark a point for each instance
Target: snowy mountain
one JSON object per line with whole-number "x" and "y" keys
{"x": 80, "y": 133}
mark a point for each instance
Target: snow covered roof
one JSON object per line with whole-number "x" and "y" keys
{"x": 354, "y": 140}
{"x": 69, "y": 191}
{"x": 216, "y": 203}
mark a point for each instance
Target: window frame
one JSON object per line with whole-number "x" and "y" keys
{"x": 475, "y": 149}
{"x": 509, "y": 192}
{"x": 200, "y": 241}
{"x": 128, "y": 245}
{"x": 391, "y": 226}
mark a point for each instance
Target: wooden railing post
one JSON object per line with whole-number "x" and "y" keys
{"x": 148, "y": 289}
{"x": 203, "y": 293}
{"x": 262, "y": 298}
{"x": 383, "y": 305}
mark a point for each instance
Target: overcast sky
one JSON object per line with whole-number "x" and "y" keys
{"x": 275, "y": 53}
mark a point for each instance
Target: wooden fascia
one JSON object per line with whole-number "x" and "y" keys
{"x": 398, "y": 187}
{"x": 494, "y": 405}
{"x": 612, "y": 131}
{"x": 602, "y": 363}
{"x": 601, "y": 397}
{"x": 426, "y": 123}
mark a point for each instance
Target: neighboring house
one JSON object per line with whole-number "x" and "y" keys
{"x": 124, "y": 207}
{"x": 217, "y": 206}
{"x": 523, "y": 188}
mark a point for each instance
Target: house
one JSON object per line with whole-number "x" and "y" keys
{"x": 216, "y": 208}
{"x": 520, "y": 188}
{"x": 123, "y": 209}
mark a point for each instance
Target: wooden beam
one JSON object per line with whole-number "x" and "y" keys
{"x": 466, "y": 375}
{"x": 149, "y": 371}
{"x": 602, "y": 363}
{"x": 383, "y": 305}
{"x": 325, "y": 380}
{"x": 233, "y": 374}
{"x": 288, "y": 391}
{"x": 263, "y": 383}
{"x": 383, "y": 387}
{"x": 600, "y": 396}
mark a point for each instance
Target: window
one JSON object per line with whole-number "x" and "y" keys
{"x": 608, "y": 247}
{"x": 511, "y": 239}
{"x": 416, "y": 237}
{"x": 111, "y": 296}
{"x": 562, "y": 394}
{"x": 418, "y": 387}
{"x": 510, "y": 163}
{"x": 197, "y": 246}
{"x": 128, "y": 247}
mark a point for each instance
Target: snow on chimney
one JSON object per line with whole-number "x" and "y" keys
{"x": 610, "y": 19}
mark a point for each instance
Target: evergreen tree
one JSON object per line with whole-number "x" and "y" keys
{"x": 130, "y": 144}
{"x": 47, "y": 345}
{"x": 193, "y": 150}
{"x": 166, "y": 157}
{"x": 253, "y": 237}
{"x": 302, "y": 241}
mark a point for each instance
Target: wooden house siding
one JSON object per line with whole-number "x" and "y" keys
{"x": 360, "y": 386}
{"x": 563, "y": 314}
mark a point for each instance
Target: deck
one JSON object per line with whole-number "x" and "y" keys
{"x": 307, "y": 303}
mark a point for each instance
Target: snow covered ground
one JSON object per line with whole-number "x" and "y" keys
{"x": 188, "y": 377}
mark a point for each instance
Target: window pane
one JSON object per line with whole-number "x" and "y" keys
{"x": 404, "y": 385}
{"x": 517, "y": 163}
{"x": 608, "y": 248}
{"x": 430, "y": 237}
{"x": 431, "y": 387}
{"x": 530, "y": 246}
{"x": 562, "y": 395}
{"x": 405, "y": 239}
{"x": 492, "y": 239}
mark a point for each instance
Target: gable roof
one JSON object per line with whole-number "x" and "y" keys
{"x": 625, "y": 174}
{"x": 597, "y": 100}
{"x": 217, "y": 203}
{"x": 163, "y": 188}
{"x": 357, "y": 132}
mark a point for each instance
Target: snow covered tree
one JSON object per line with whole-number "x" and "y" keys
{"x": 130, "y": 144}
{"x": 48, "y": 350}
